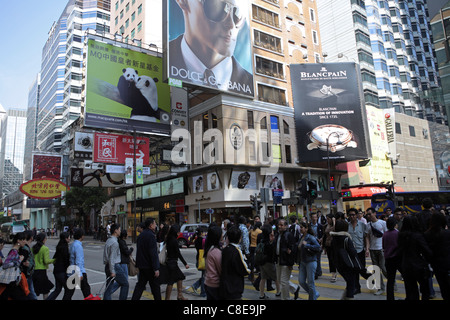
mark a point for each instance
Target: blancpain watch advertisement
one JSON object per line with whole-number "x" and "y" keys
{"x": 329, "y": 112}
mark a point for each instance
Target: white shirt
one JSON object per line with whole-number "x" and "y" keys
{"x": 222, "y": 71}
{"x": 376, "y": 243}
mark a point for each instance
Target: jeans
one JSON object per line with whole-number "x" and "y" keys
{"x": 200, "y": 283}
{"x": 377, "y": 257}
{"x": 32, "y": 295}
{"x": 60, "y": 283}
{"x": 121, "y": 280}
{"x": 306, "y": 276}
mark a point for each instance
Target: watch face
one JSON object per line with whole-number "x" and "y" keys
{"x": 236, "y": 136}
{"x": 337, "y": 137}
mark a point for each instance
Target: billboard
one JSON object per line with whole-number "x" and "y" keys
{"x": 125, "y": 90}
{"x": 329, "y": 110}
{"x": 115, "y": 148}
{"x": 209, "y": 45}
{"x": 44, "y": 188}
{"x": 46, "y": 166}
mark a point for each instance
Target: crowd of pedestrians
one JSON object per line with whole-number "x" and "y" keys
{"x": 415, "y": 245}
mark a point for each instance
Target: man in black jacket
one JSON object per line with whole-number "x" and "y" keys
{"x": 147, "y": 261}
{"x": 285, "y": 255}
{"x": 234, "y": 268}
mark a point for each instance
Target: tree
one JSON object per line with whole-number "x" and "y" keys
{"x": 82, "y": 199}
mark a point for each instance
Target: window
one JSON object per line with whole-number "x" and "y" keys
{"x": 263, "y": 123}
{"x": 267, "y": 41}
{"x": 312, "y": 15}
{"x": 288, "y": 154}
{"x": 285, "y": 127}
{"x": 269, "y": 67}
{"x": 412, "y": 131}
{"x": 133, "y": 16}
{"x": 250, "y": 120}
{"x": 139, "y": 27}
{"x": 271, "y": 94}
{"x": 265, "y": 16}
{"x": 315, "y": 37}
{"x": 140, "y": 9}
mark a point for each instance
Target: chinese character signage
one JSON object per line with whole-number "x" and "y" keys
{"x": 43, "y": 188}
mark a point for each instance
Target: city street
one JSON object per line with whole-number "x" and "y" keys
{"x": 93, "y": 250}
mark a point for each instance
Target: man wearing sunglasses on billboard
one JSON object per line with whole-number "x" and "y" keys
{"x": 203, "y": 55}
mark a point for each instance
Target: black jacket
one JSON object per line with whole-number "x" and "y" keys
{"x": 62, "y": 258}
{"x": 287, "y": 242}
{"x": 125, "y": 252}
{"x": 239, "y": 74}
{"x": 147, "y": 251}
{"x": 414, "y": 250}
{"x": 234, "y": 269}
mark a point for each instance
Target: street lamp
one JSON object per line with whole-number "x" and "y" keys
{"x": 338, "y": 142}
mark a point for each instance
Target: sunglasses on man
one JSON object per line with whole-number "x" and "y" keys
{"x": 218, "y": 11}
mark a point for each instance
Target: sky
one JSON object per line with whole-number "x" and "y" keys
{"x": 25, "y": 25}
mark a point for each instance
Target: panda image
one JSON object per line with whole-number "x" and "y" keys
{"x": 147, "y": 108}
{"x": 127, "y": 86}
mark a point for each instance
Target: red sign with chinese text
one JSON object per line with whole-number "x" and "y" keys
{"x": 115, "y": 148}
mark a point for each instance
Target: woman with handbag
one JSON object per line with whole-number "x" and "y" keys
{"x": 175, "y": 275}
{"x": 308, "y": 249}
{"x": 345, "y": 257}
{"x": 10, "y": 271}
{"x": 62, "y": 262}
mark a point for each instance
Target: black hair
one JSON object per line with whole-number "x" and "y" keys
{"x": 173, "y": 232}
{"x": 18, "y": 236}
{"x": 352, "y": 209}
{"x": 307, "y": 227}
{"x": 234, "y": 234}
{"x": 123, "y": 234}
{"x": 78, "y": 233}
{"x": 427, "y": 203}
{"x": 63, "y": 236}
{"x": 39, "y": 242}
{"x": 114, "y": 227}
{"x": 341, "y": 225}
{"x": 28, "y": 235}
{"x": 213, "y": 238}
{"x": 148, "y": 222}
{"x": 391, "y": 223}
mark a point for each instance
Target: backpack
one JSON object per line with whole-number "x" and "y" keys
{"x": 349, "y": 262}
{"x": 260, "y": 257}
{"x": 295, "y": 232}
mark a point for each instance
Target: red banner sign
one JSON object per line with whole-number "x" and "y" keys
{"x": 115, "y": 148}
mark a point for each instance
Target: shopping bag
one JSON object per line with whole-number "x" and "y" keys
{"x": 201, "y": 260}
{"x": 132, "y": 269}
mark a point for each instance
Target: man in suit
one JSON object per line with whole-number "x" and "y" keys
{"x": 203, "y": 55}
{"x": 147, "y": 261}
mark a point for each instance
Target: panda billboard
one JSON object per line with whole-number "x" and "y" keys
{"x": 125, "y": 91}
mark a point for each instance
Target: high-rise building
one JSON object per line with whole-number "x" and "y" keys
{"x": 12, "y": 150}
{"x": 391, "y": 40}
{"x": 61, "y": 70}
{"x": 440, "y": 25}
{"x": 32, "y": 126}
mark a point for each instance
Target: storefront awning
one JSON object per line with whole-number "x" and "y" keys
{"x": 365, "y": 192}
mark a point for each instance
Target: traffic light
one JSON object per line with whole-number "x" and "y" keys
{"x": 258, "y": 205}
{"x": 253, "y": 202}
{"x": 303, "y": 188}
{"x": 312, "y": 189}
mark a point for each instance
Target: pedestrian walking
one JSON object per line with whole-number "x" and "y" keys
{"x": 147, "y": 261}
{"x": 357, "y": 230}
{"x": 234, "y": 267}
{"x": 199, "y": 244}
{"x": 327, "y": 246}
{"x": 27, "y": 266}
{"x": 398, "y": 215}
{"x": 267, "y": 261}
{"x": 42, "y": 285}
{"x": 60, "y": 265}
{"x": 317, "y": 229}
{"x": 116, "y": 272}
{"x": 76, "y": 267}
{"x": 285, "y": 256}
{"x": 256, "y": 230}
{"x": 391, "y": 257}
{"x": 438, "y": 239}
{"x": 213, "y": 262}
{"x": 374, "y": 245}
{"x": 12, "y": 291}
{"x": 175, "y": 275}
{"x": 415, "y": 254}
{"x": 346, "y": 258}
{"x": 308, "y": 249}
{"x": 245, "y": 239}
